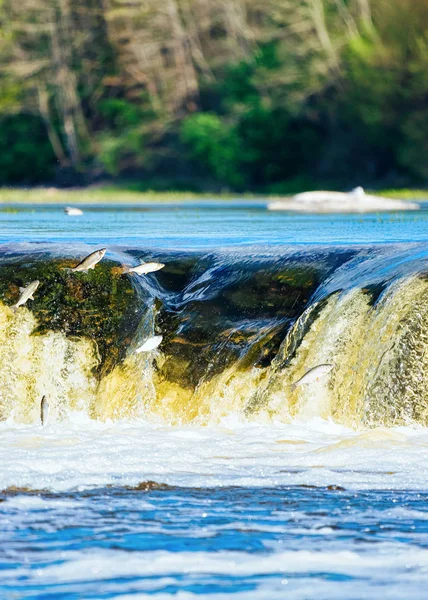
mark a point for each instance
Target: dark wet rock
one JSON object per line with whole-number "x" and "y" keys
{"x": 100, "y": 305}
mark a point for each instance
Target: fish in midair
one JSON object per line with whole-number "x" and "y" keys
{"x": 72, "y": 211}
{"x": 313, "y": 375}
{"x": 44, "y": 410}
{"x": 145, "y": 268}
{"x": 26, "y": 294}
{"x": 89, "y": 261}
{"x": 150, "y": 344}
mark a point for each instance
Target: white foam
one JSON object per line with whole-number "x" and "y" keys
{"x": 293, "y": 572}
{"x": 24, "y": 502}
{"x": 100, "y": 564}
{"x": 82, "y": 453}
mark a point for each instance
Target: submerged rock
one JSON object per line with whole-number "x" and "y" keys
{"x": 355, "y": 201}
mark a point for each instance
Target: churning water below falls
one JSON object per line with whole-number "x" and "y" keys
{"x": 198, "y": 469}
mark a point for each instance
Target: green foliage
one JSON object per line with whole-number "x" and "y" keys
{"x": 370, "y": 98}
{"x": 215, "y": 144}
{"x": 279, "y": 147}
{"x": 119, "y": 113}
{"x": 257, "y": 142}
{"x": 10, "y": 92}
{"x": 413, "y": 151}
{"x": 384, "y": 98}
{"x": 114, "y": 150}
{"x": 275, "y": 93}
{"x": 25, "y": 152}
{"x": 122, "y": 140}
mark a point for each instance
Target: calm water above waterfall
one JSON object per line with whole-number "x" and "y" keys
{"x": 204, "y": 224}
{"x": 198, "y": 469}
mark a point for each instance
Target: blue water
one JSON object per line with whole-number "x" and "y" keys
{"x": 198, "y": 225}
{"x": 220, "y": 542}
{"x": 256, "y": 542}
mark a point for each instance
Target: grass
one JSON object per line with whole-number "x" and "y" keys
{"x": 404, "y": 194}
{"x": 91, "y": 195}
{"x": 124, "y": 195}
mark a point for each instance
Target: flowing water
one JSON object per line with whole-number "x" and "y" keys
{"x": 199, "y": 469}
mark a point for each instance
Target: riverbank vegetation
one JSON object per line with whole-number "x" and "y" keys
{"x": 206, "y": 95}
{"x": 128, "y": 194}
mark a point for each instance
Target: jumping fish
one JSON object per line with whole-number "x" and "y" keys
{"x": 90, "y": 261}
{"x": 150, "y": 344}
{"x": 313, "y": 374}
{"x": 26, "y": 294}
{"x": 44, "y": 410}
{"x": 71, "y": 211}
{"x": 145, "y": 268}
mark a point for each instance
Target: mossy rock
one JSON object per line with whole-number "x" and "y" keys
{"x": 101, "y": 305}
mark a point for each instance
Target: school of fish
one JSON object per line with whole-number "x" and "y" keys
{"x": 87, "y": 263}
{"x": 150, "y": 344}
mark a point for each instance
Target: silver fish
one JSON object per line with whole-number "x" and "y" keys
{"x": 44, "y": 411}
{"x": 313, "y": 374}
{"x": 144, "y": 268}
{"x": 26, "y": 294}
{"x": 150, "y": 344}
{"x": 89, "y": 261}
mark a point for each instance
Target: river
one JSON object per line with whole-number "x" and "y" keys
{"x": 198, "y": 470}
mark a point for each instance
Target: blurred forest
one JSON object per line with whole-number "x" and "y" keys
{"x": 266, "y": 95}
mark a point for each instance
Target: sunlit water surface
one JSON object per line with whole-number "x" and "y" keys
{"x": 242, "y": 509}
{"x": 208, "y": 224}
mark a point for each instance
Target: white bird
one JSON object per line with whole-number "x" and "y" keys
{"x": 71, "y": 211}
{"x": 151, "y": 344}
